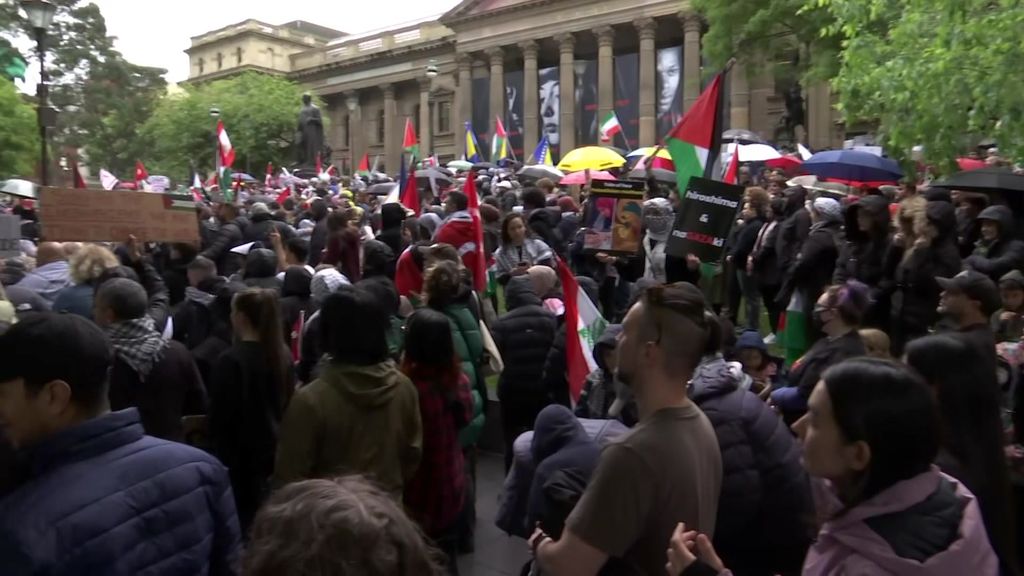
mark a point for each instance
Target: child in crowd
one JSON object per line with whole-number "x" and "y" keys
{"x": 758, "y": 364}
{"x": 876, "y": 343}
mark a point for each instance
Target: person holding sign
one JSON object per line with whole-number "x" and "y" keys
{"x": 518, "y": 251}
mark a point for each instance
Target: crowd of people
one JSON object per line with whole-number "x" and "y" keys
{"x": 305, "y": 390}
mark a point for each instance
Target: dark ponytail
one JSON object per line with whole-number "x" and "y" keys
{"x": 260, "y": 309}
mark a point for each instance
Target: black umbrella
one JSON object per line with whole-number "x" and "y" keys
{"x": 742, "y": 136}
{"x": 484, "y": 166}
{"x": 424, "y": 176}
{"x": 659, "y": 174}
{"x": 984, "y": 180}
{"x": 382, "y": 189}
{"x": 538, "y": 171}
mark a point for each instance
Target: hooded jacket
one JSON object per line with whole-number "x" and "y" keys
{"x": 599, "y": 390}
{"x": 926, "y": 525}
{"x": 762, "y": 527}
{"x": 353, "y": 419}
{"x": 391, "y": 218}
{"x": 1006, "y": 253}
{"x": 1009, "y": 329}
{"x": 48, "y": 280}
{"x": 862, "y": 255}
{"x": 260, "y": 226}
{"x": 524, "y": 336}
{"x": 794, "y": 228}
{"x": 811, "y": 271}
{"x": 560, "y": 444}
{"x": 193, "y": 318}
{"x": 544, "y": 222}
{"x": 295, "y": 299}
{"x": 228, "y": 236}
{"x": 261, "y": 269}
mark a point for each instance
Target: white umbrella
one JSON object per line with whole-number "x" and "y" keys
{"x": 754, "y": 152}
{"x": 19, "y": 188}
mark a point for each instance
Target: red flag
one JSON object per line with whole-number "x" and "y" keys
{"x": 270, "y": 174}
{"x": 732, "y": 173}
{"x": 411, "y": 197}
{"x": 364, "y": 164}
{"x": 479, "y": 268}
{"x": 318, "y": 166}
{"x": 284, "y": 195}
{"x": 79, "y": 181}
{"x": 140, "y": 173}
{"x": 576, "y": 364}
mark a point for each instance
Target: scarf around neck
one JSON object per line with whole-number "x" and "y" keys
{"x": 137, "y": 343}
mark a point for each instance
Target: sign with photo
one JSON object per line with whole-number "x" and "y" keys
{"x": 548, "y": 86}
{"x": 707, "y": 214}
{"x": 669, "y": 88}
{"x": 613, "y": 222}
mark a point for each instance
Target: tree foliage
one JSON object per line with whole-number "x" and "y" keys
{"x": 259, "y": 112}
{"x": 19, "y": 136}
{"x": 932, "y": 72}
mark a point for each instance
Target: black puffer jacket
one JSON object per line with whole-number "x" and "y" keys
{"x": 765, "y": 506}
{"x": 1001, "y": 256}
{"x": 862, "y": 255}
{"x": 228, "y": 236}
{"x": 193, "y": 318}
{"x": 260, "y": 226}
{"x": 794, "y": 228}
{"x": 295, "y": 299}
{"x": 811, "y": 271}
{"x": 391, "y": 218}
{"x": 544, "y": 222}
{"x": 524, "y": 336}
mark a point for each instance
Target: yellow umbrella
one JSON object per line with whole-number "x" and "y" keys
{"x": 646, "y": 152}
{"x": 590, "y": 157}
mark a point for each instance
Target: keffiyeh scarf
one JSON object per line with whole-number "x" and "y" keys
{"x": 137, "y": 343}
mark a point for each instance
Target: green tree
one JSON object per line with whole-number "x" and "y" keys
{"x": 258, "y": 110}
{"x": 932, "y": 72}
{"x": 19, "y": 136}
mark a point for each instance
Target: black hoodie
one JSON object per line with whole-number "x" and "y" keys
{"x": 1003, "y": 255}
{"x": 261, "y": 269}
{"x": 295, "y": 299}
{"x": 523, "y": 335}
{"x": 391, "y": 218}
{"x": 862, "y": 256}
{"x": 560, "y": 444}
{"x": 794, "y": 228}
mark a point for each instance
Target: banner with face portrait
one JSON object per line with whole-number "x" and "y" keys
{"x": 481, "y": 96}
{"x": 514, "y": 111}
{"x": 627, "y": 98}
{"x": 668, "y": 105}
{"x": 613, "y": 220}
{"x": 548, "y": 82}
{"x": 586, "y": 102}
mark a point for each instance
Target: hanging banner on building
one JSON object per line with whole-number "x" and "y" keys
{"x": 514, "y": 112}
{"x": 482, "y": 114}
{"x": 70, "y": 215}
{"x": 613, "y": 222}
{"x": 706, "y": 216}
{"x": 669, "y": 88}
{"x": 10, "y": 236}
{"x": 627, "y": 94}
{"x": 586, "y": 102}
{"x": 548, "y": 83}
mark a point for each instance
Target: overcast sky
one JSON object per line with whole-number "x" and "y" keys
{"x": 156, "y": 32}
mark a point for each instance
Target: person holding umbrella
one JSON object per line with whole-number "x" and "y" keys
{"x": 997, "y": 251}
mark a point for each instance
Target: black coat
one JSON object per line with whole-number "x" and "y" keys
{"x": 766, "y": 260}
{"x": 227, "y": 237}
{"x": 193, "y": 319}
{"x": 746, "y": 236}
{"x": 317, "y": 242}
{"x": 524, "y": 336}
{"x": 765, "y": 506}
{"x": 811, "y": 271}
{"x": 543, "y": 222}
{"x": 862, "y": 256}
{"x": 261, "y": 225}
{"x": 793, "y": 230}
{"x": 1003, "y": 255}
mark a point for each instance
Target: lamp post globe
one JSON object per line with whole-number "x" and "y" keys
{"x": 39, "y": 12}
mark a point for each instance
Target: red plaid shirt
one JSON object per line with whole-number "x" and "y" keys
{"x": 434, "y": 496}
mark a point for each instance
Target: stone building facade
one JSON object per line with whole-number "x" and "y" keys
{"x": 490, "y": 59}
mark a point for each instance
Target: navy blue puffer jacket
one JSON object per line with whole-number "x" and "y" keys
{"x": 103, "y": 498}
{"x": 765, "y": 509}
{"x": 523, "y": 335}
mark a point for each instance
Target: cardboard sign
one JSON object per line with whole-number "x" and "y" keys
{"x": 70, "y": 215}
{"x": 10, "y": 236}
{"x": 706, "y": 216}
{"x": 613, "y": 222}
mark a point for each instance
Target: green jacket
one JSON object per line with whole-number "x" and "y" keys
{"x": 352, "y": 419}
{"x": 469, "y": 346}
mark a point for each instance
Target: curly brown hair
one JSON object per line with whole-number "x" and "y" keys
{"x": 443, "y": 284}
{"x": 336, "y": 527}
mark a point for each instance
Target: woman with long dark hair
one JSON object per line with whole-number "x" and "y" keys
{"x": 435, "y": 495}
{"x": 252, "y": 383}
{"x": 519, "y": 251}
{"x": 972, "y": 436}
{"x": 343, "y": 243}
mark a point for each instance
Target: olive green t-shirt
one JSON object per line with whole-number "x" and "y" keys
{"x": 667, "y": 470}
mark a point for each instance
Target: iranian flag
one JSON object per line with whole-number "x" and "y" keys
{"x": 610, "y": 127}
{"x": 579, "y": 343}
{"x": 225, "y": 152}
{"x": 691, "y": 141}
{"x": 409, "y": 144}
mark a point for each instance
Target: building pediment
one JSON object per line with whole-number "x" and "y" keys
{"x": 474, "y": 9}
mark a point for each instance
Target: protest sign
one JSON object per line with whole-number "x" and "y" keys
{"x": 706, "y": 215}
{"x": 613, "y": 222}
{"x": 112, "y": 215}
{"x": 10, "y": 236}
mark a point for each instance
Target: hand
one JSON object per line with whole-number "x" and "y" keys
{"x": 536, "y": 539}
{"x": 134, "y": 249}
{"x": 275, "y": 239}
{"x": 686, "y": 547}
{"x": 1007, "y": 316}
{"x": 897, "y": 239}
{"x": 604, "y": 258}
{"x": 692, "y": 262}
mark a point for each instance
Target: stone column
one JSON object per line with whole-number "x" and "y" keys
{"x": 760, "y": 91}
{"x": 463, "y": 99}
{"x": 426, "y": 129}
{"x": 356, "y": 131}
{"x": 391, "y": 137}
{"x": 646, "y": 29}
{"x": 531, "y": 94}
{"x": 692, "y": 26}
{"x": 739, "y": 97}
{"x": 567, "y": 96}
{"x": 605, "y": 71}
{"x": 496, "y": 57}
{"x": 820, "y": 126}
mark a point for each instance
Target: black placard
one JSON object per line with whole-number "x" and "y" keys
{"x": 613, "y": 222}
{"x": 706, "y": 216}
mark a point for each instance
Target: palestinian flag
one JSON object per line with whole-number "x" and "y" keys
{"x": 409, "y": 144}
{"x": 792, "y": 329}
{"x": 698, "y": 133}
{"x": 364, "y": 165}
{"x": 499, "y": 144}
{"x": 610, "y": 127}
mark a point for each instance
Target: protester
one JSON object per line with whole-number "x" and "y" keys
{"x": 296, "y": 302}
{"x": 361, "y": 402}
{"x": 754, "y": 214}
{"x": 1008, "y": 322}
{"x": 262, "y": 223}
{"x": 968, "y": 300}
{"x": 668, "y": 469}
{"x": 763, "y": 265}
{"x": 328, "y": 527}
{"x": 251, "y": 385}
{"x": 392, "y": 216}
{"x": 51, "y": 274}
{"x": 149, "y": 372}
{"x": 437, "y": 492}
{"x": 997, "y": 251}
{"x": 862, "y": 255}
{"x": 383, "y": 290}
{"x": 794, "y": 228}
{"x": 658, "y": 220}
{"x": 192, "y": 319}
{"x": 602, "y": 390}
{"x": 343, "y": 243}
{"x": 99, "y": 495}
{"x": 543, "y": 221}
{"x": 86, "y": 267}
{"x": 873, "y": 433}
{"x": 318, "y": 238}
{"x": 260, "y": 270}
{"x": 227, "y": 237}
{"x": 876, "y": 343}
{"x": 523, "y": 336}
{"x": 519, "y": 250}
{"x": 972, "y": 436}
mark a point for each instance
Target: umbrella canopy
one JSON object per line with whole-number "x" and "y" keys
{"x": 459, "y": 165}
{"x": 754, "y": 152}
{"x": 435, "y": 174}
{"x": 539, "y": 171}
{"x": 742, "y": 136}
{"x": 382, "y": 189}
{"x": 970, "y": 164}
{"x": 242, "y": 176}
{"x": 787, "y": 162}
{"x": 484, "y": 166}
{"x": 852, "y": 165}
{"x": 647, "y": 151}
{"x": 984, "y": 180}
{"x": 811, "y": 182}
{"x": 18, "y": 187}
{"x": 592, "y": 157}
{"x": 581, "y": 177}
{"x": 659, "y": 174}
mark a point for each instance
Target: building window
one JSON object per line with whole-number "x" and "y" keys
{"x": 202, "y": 65}
{"x": 238, "y": 56}
{"x": 220, "y": 61}
{"x": 416, "y": 121}
{"x": 380, "y": 126}
{"x": 444, "y": 117}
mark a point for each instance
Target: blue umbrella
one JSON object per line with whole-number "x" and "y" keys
{"x": 852, "y": 165}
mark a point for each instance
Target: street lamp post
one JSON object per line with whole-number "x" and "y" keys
{"x": 40, "y": 15}
{"x": 215, "y": 115}
{"x": 351, "y": 102}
